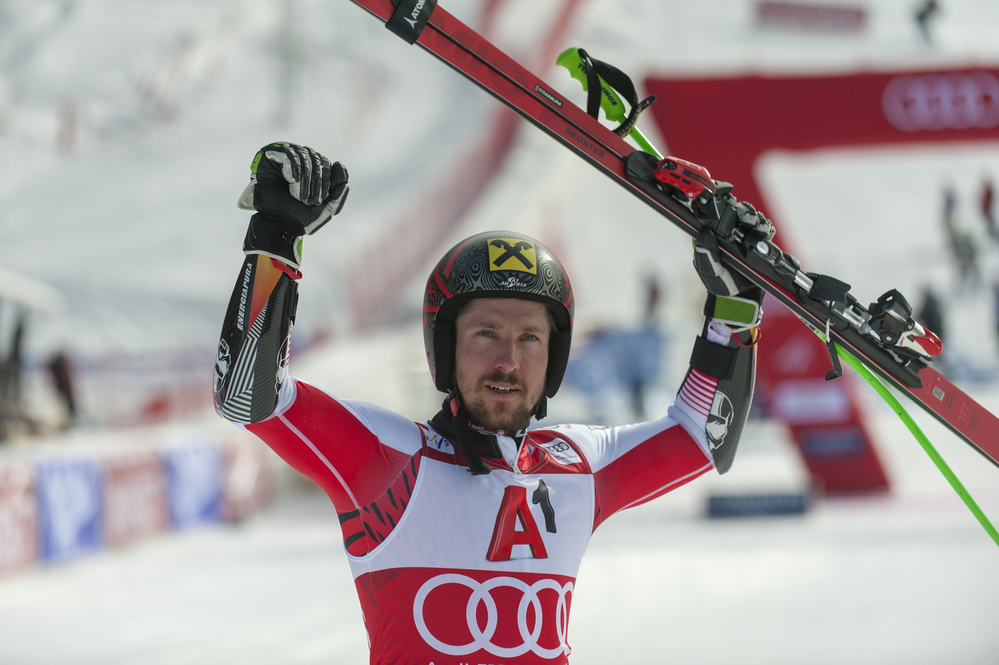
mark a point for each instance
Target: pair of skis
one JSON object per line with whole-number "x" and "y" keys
{"x": 883, "y": 338}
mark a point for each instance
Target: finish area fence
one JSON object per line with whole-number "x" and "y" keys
{"x": 66, "y": 499}
{"x": 111, "y": 390}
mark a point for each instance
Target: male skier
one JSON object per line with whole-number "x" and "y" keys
{"x": 464, "y": 532}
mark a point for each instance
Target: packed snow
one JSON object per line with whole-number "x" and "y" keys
{"x": 126, "y": 131}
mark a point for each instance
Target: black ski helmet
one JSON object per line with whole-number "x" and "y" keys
{"x": 496, "y": 264}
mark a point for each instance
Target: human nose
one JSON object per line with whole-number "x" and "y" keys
{"x": 507, "y": 357}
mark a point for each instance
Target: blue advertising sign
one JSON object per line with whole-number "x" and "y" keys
{"x": 194, "y": 481}
{"x": 69, "y": 507}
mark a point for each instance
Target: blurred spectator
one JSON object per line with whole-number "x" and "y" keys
{"x": 645, "y": 350}
{"x": 966, "y": 255}
{"x": 653, "y": 296}
{"x": 962, "y": 243}
{"x": 949, "y": 206}
{"x": 930, "y": 315}
{"x": 985, "y": 206}
{"x": 62, "y": 377}
{"x": 639, "y": 366}
{"x": 621, "y": 360}
{"x": 924, "y": 14}
{"x": 11, "y": 404}
{"x": 616, "y": 360}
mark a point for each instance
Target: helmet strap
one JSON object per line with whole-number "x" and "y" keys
{"x": 473, "y": 444}
{"x": 541, "y": 410}
{"x": 470, "y": 446}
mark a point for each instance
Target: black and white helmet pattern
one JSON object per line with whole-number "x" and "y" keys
{"x": 496, "y": 264}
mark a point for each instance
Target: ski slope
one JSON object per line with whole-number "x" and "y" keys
{"x": 134, "y": 223}
{"x": 907, "y": 578}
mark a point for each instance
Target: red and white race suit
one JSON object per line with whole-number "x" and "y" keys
{"x": 454, "y": 568}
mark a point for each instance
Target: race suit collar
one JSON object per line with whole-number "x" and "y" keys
{"x": 475, "y": 442}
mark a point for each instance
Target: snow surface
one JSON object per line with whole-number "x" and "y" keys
{"x": 906, "y": 578}
{"x": 136, "y": 227}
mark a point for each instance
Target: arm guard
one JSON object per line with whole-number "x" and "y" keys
{"x": 734, "y": 369}
{"x": 718, "y": 388}
{"x": 252, "y": 360}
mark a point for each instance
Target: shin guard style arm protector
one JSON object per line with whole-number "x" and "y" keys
{"x": 718, "y": 390}
{"x": 294, "y": 191}
{"x": 252, "y": 360}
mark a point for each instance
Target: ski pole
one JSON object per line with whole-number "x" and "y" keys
{"x": 900, "y": 411}
{"x": 610, "y": 102}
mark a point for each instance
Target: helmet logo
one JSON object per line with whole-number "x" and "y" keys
{"x": 512, "y": 283}
{"x": 512, "y": 254}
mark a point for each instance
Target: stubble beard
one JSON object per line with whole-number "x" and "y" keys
{"x": 519, "y": 419}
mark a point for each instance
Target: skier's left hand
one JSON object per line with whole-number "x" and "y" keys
{"x": 717, "y": 279}
{"x": 733, "y": 301}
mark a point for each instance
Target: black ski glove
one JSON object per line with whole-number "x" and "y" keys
{"x": 733, "y": 300}
{"x": 717, "y": 279}
{"x": 295, "y": 191}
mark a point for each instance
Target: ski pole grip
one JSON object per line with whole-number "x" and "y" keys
{"x": 609, "y": 101}
{"x": 602, "y": 95}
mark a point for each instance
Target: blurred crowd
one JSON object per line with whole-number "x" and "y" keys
{"x": 15, "y": 417}
{"x": 967, "y": 247}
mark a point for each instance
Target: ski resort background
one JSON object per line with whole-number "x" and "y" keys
{"x": 120, "y": 237}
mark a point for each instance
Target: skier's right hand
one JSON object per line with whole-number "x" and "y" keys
{"x": 296, "y": 185}
{"x": 295, "y": 191}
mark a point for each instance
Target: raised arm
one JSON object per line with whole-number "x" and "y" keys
{"x": 294, "y": 191}
{"x": 714, "y": 400}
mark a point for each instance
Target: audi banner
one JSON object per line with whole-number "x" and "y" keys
{"x": 727, "y": 123}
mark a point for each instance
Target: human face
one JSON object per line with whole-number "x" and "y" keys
{"x": 501, "y": 359}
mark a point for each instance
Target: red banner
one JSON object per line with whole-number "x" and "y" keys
{"x": 135, "y": 497}
{"x": 18, "y": 516}
{"x": 726, "y": 124}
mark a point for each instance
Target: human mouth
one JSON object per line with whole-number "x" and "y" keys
{"x": 503, "y": 390}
